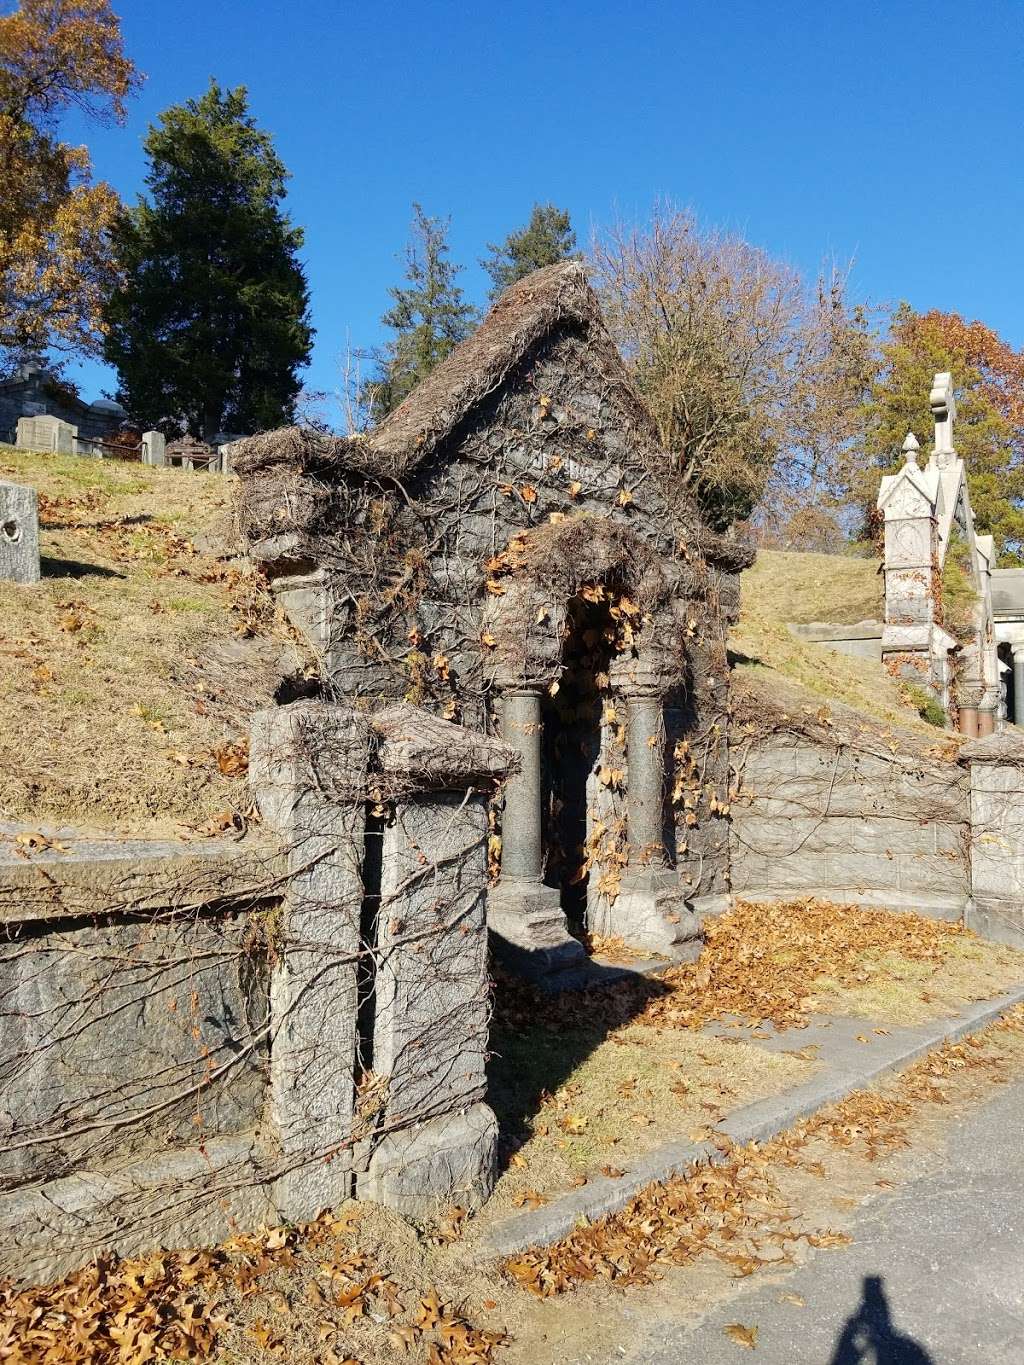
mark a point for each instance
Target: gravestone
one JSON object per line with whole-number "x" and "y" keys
{"x": 19, "y": 533}
{"x": 45, "y": 434}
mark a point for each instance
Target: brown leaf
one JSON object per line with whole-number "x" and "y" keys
{"x": 741, "y": 1335}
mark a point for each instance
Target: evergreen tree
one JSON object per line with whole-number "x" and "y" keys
{"x": 988, "y": 377}
{"x": 548, "y": 237}
{"x": 429, "y": 316}
{"x": 212, "y": 323}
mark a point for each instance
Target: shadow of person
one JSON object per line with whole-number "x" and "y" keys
{"x": 868, "y": 1337}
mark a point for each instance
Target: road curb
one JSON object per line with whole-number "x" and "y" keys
{"x": 753, "y": 1123}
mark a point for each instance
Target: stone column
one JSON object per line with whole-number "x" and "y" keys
{"x": 1018, "y": 684}
{"x": 440, "y": 1138}
{"x": 521, "y": 847}
{"x": 529, "y": 931}
{"x": 308, "y": 771}
{"x": 996, "y": 907}
{"x": 646, "y": 790}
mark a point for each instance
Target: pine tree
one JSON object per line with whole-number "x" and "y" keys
{"x": 988, "y": 434}
{"x": 429, "y": 316}
{"x": 212, "y": 323}
{"x": 548, "y": 237}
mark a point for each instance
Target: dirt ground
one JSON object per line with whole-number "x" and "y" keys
{"x": 129, "y": 673}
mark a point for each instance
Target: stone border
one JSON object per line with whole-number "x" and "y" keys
{"x": 754, "y": 1122}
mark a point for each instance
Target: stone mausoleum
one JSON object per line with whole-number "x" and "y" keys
{"x": 512, "y": 550}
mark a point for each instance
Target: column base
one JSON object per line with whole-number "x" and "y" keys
{"x": 420, "y": 1171}
{"x": 651, "y": 912}
{"x": 528, "y": 931}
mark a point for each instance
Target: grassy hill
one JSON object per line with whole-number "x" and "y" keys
{"x": 786, "y": 586}
{"x": 129, "y": 673}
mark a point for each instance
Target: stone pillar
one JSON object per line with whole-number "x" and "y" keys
{"x": 646, "y": 786}
{"x": 308, "y": 772}
{"x": 528, "y": 927}
{"x": 996, "y": 765}
{"x": 967, "y": 720}
{"x": 19, "y": 533}
{"x": 154, "y": 449}
{"x": 1018, "y": 684}
{"x": 521, "y": 847}
{"x": 440, "y": 1138}
{"x": 986, "y": 721}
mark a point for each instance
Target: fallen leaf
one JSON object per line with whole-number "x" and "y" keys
{"x": 742, "y": 1336}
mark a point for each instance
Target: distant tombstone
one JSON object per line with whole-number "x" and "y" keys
{"x": 19, "y": 533}
{"x": 45, "y": 434}
{"x": 154, "y": 448}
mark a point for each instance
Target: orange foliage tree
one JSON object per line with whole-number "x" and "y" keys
{"x": 56, "y": 259}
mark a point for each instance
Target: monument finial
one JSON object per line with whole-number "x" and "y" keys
{"x": 910, "y": 449}
{"x": 943, "y": 406}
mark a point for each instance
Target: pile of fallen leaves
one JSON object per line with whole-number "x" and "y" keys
{"x": 761, "y": 961}
{"x": 255, "y": 1293}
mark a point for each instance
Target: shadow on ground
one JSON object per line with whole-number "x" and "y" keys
{"x": 50, "y": 567}
{"x": 869, "y": 1338}
{"x": 538, "y": 1040}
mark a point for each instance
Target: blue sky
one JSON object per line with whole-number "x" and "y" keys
{"x": 889, "y": 133}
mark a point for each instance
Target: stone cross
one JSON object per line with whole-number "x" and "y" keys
{"x": 943, "y": 406}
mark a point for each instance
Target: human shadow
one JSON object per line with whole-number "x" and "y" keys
{"x": 868, "y": 1336}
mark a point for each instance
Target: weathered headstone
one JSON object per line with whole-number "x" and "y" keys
{"x": 154, "y": 448}
{"x": 19, "y": 533}
{"x": 45, "y": 434}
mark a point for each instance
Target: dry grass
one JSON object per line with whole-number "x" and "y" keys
{"x": 781, "y": 587}
{"x": 620, "y": 1095}
{"x": 786, "y": 585}
{"x": 128, "y": 674}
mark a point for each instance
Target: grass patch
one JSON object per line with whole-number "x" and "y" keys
{"x": 140, "y": 655}
{"x": 783, "y": 587}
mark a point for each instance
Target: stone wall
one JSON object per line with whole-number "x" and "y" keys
{"x": 199, "y": 1038}
{"x": 33, "y": 391}
{"x": 996, "y": 768}
{"x": 850, "y": 821}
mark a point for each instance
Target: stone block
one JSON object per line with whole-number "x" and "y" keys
{"x": 118, "y": 1037}
{"x": 308, "y": 770}
{"x": 19, "y": 533}
{"x": 431, "y": 995}
{"x": 933, "y": 874}
{"x": 184, "y": 1198}
{"x": 449, "y": 1160}
{"x": 154, "y": 449}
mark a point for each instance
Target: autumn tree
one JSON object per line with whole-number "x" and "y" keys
{"x": 56, "y": 261}
{"x": 211, "y": 325}
{"x": 754, "y": 377}
{"x": 429, "y": 316}
{"x": 988, "y": 379}
{"x": 547, "y": 238}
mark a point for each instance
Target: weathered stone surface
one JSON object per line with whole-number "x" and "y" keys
{"x": 430, "y": 1026}
{"x": 449, "y": 1160}
{"x": 126, "y": 1038}
{"x": 19, "y": 533}
{"x": 183, "y": 1198}
{"x": 832, "y": 820}
{"x": 308, "y": 770}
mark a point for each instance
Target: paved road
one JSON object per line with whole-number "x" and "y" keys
{"x": 935, "y": 1275}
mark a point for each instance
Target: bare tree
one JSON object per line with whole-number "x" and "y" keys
{"x": 755, "y": 379}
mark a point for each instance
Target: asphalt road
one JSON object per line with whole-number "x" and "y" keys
{"x": 935, "y": 1275}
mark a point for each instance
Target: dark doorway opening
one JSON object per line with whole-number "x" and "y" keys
{"x": 573, "y": 746}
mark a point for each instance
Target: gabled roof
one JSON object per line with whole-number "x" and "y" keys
{"x": 526, "y": 313}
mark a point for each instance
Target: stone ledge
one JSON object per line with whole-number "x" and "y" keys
{"x": 93, "y": 874}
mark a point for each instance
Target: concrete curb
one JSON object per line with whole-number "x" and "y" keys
{"x": 849, "y": 1067}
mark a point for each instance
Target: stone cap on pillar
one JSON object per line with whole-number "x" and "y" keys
{"x": 419, "y": 751}
{"x": 1006, "y": 747}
